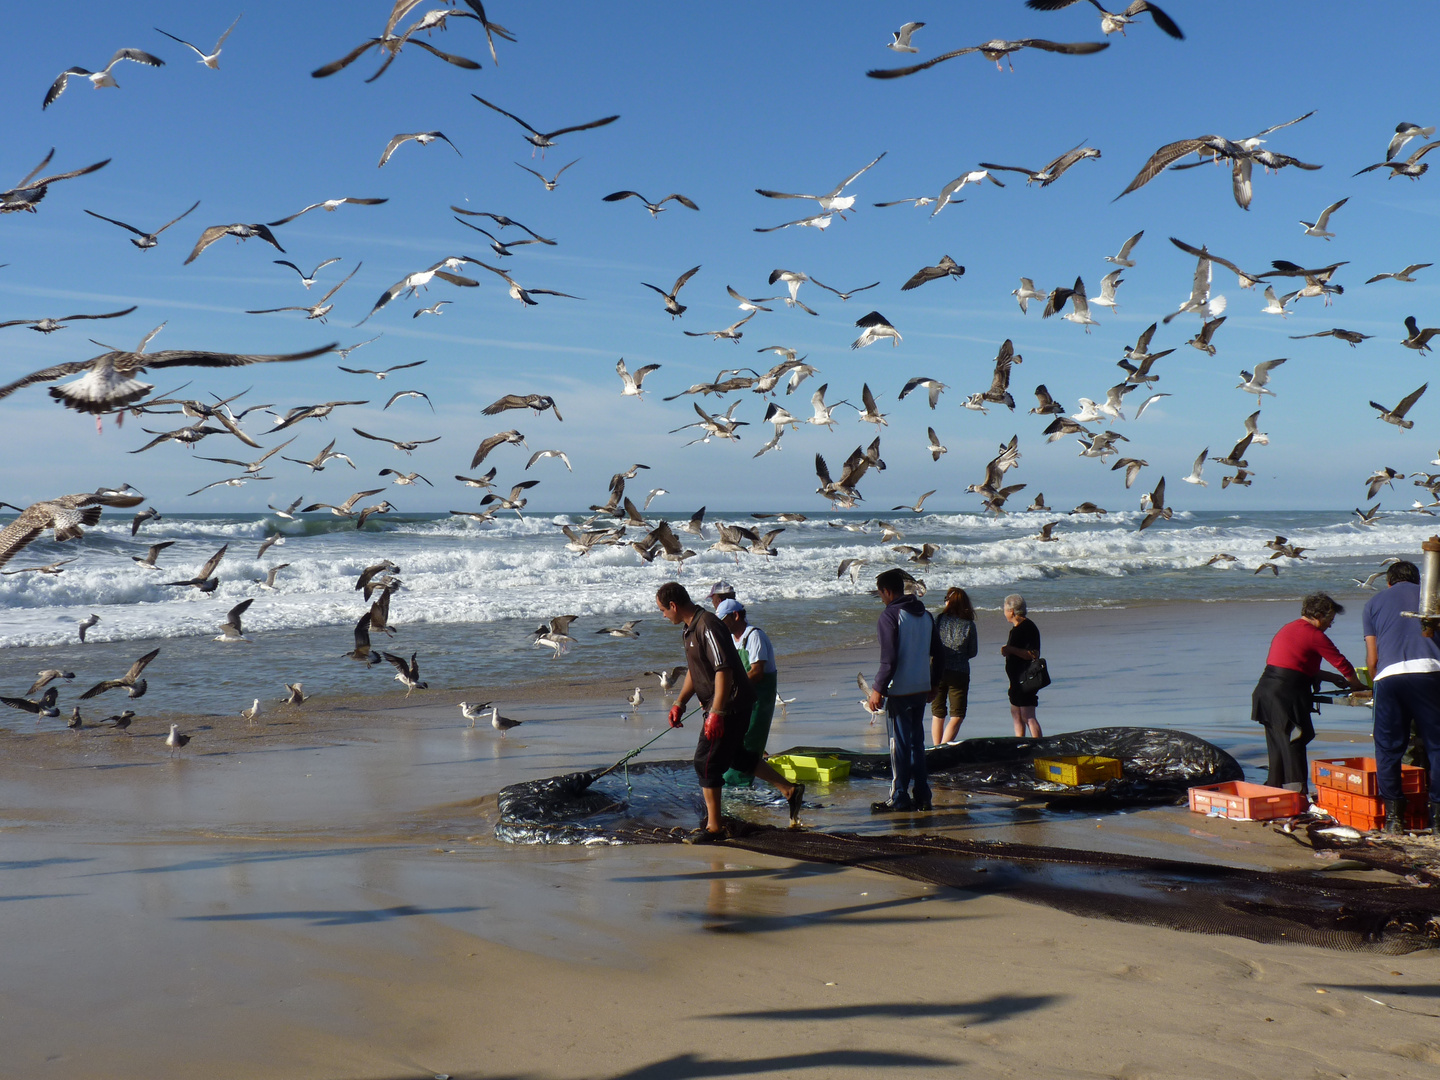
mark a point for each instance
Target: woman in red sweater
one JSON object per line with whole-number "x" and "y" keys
{"x": 1282, "y": 699}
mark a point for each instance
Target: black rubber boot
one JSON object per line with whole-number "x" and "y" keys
{"x": 1435, "y": 819}
{"x": 1394, "y": 818}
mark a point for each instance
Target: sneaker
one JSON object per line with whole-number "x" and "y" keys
{"x": 887, "y": 807}
{"x": 705, "y": 836}
{"x": 795, "y": 800}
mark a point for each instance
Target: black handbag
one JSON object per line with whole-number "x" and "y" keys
{"x": 1035, "y": 677}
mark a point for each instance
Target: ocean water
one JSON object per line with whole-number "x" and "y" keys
{"x": 473, "y": 592}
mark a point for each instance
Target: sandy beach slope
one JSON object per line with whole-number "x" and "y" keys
{"x": 320, "y": 895}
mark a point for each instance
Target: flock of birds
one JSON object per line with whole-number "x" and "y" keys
{"x": 110, "y": 384}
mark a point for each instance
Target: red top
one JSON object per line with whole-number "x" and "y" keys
{"x": 1299, "y": 646}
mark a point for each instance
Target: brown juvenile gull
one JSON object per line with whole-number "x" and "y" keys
{"x": 673, "y": 306}
{"x": 240, "y": 230}
{"x": 24, "y": 195}
{"x": 130, "y": 681}
{"x": 67, "y": 515}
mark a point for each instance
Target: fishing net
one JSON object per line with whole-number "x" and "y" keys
{"x": 658, "y": 802}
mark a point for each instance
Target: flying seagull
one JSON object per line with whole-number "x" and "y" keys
{"x": 946, "y": 267}
{"x": 420, "y": 279}
{"x": 1403, "y": 275}
{"x": 240, "y": 230}
{"x": 65, "y": 515}
{"x": 147, "y": 240}
{"x": 830, "y": 202}
{"x": 673, "y": 306}
{"x": 24, "y": 195}
{"x": 631, "y": 382}
{"x": 1321, "y": 225}
{"x": 317, "y": 310}
{"x": 329, "y": 205}
{"x": 212, "y": 59}
{"x": 655, "y": 208}
{"x": 538, "y": 402}
{"x": 542, "y": 139}
{"x": 102, "y": 77}
{"x": 1111, "y": 21}
{"x": 902, "y": 38}
{"x": 49, "y": 326}
{"x": 1053, "y": 171}
{"x": 874, "y": 326}
{"x": 424, "y": 138}
{"x": 309, "y": 279}
{"x": 997, "y": 49}
{"x": 130, "y": 682}
{"x": 550, "y": 183}
{"x": 108, "y": 381}
{"x": 1396, "y": 415}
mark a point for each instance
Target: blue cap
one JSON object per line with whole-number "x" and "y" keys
{"x": 727, "y": 608}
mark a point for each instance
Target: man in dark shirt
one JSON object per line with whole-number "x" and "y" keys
{"x": 909, "y": 671}
{"x": 716, "y": 676}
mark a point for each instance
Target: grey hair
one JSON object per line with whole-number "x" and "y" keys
{"x": 1016, "y": 603}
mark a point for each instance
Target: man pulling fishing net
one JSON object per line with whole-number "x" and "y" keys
{"x": 716, "y": 676}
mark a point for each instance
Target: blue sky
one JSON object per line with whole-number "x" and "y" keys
{"x": 716, "y": 100}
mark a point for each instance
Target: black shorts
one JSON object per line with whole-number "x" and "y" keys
{"x": 714, "y": 757}
{"x": 1022, "y": 698}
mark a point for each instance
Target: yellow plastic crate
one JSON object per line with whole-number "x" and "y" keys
{"x": 1074, "y": 771}
{"x": 804, "y": 767}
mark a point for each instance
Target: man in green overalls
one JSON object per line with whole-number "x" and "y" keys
{"x": 757, "y": 656}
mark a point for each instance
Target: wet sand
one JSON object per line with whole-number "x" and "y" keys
{"x": 320, "y": 895}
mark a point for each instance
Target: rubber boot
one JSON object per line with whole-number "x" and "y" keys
{"x": 1435, "y": 819}
{"x": 1394, "y": 817}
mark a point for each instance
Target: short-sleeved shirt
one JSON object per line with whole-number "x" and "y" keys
{"x": 1025, "y": 635}
{"x": 709, "y": 648}
{"x": 757, "y": 646}
{"x": 1400, "y": 646}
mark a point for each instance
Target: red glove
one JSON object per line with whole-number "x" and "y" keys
{"x": 714, "y": 726}
{"x": 675, "y": 715}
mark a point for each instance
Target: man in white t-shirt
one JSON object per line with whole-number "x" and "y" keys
{"x": 1405, "y": 667}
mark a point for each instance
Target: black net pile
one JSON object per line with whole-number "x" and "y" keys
{"x": 1159, "y": 765}
{"x": 658, "y": 802}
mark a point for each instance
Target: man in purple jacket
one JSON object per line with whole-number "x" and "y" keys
{"x": 909, "y": 655}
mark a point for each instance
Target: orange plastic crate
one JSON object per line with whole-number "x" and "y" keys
{"x": 1366, "y": 813}
{"x": 1359, "y": 776}
{"x": 1240, "y": 801}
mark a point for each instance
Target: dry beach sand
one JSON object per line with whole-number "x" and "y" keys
{"x": 320, "y": 895}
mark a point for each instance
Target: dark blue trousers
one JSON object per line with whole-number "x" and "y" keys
{"x": 905, "y": 717}
{"x": 1399, "y": 699}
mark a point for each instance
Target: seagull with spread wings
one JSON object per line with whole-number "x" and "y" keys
{"x": 1053, "y": 171}
{"x": 107, "y": 382}
{"x": 420, "y": 279}
{"x": 330, "y": 205}
{"x": 240, "y": 230}
{"x": 24, "y": 195}
{"x": 399, "y": 444}
{"x": 997, "y": 49}
{"x": 1396, "y": 415}
{"x": 655, "y": 208}
{"x": 673, "y": 306}
{"x": 632, "y": 382}
{"x": 317, "y": 310}
{"x": 100, "y": 78}
{"x": 67, "y": 515}
{"x": 424, "y": 138}
{"x": 211, "y": 59}
{"x": 543, "y": 139}
{"x": 49, "y": 326}
{"x": 830, "y": 202}
{"x": 1111, "y": 21}
{"x": 552, "y": 182}
{"x": 537, "y": 402}
{"x": 147, "y": 240}
{"x": 518, "y": 292}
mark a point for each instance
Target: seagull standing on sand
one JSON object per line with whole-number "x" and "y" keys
{"x": 175, "y": 740}
{"x": 502, "y": 724}
{"x": 252, "y": 712}
{"x": 473, "y": 712}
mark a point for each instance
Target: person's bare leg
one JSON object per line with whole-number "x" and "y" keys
{"x": 1017, "y": 714}
{"x": 712, "y": 808}
{"x": 765, "y": 771}
{"x": 952, "y": 728}
{"x": 1032, "y": 726}
{"x": 937, "y": 728}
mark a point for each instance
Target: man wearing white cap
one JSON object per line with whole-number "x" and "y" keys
{"x": 758, "y": 657}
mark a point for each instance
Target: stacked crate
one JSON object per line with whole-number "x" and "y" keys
{"x": 1348, "y": 790}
